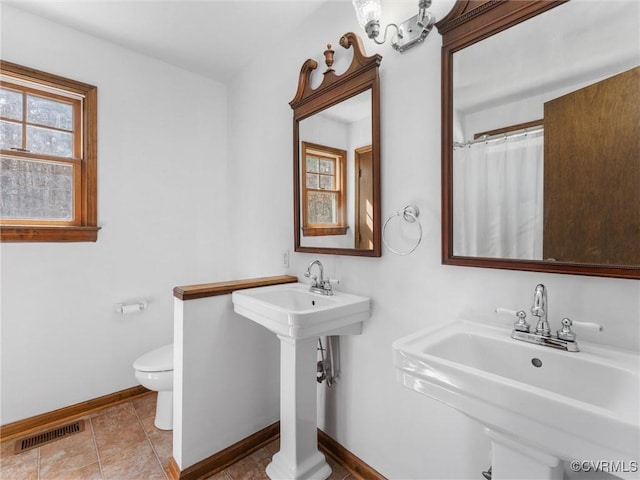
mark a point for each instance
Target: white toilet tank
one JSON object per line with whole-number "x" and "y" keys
{"x": 158, "y": 360}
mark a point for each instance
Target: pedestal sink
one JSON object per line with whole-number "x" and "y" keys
{"x": 539, "y": 406}
{"x": 299, "y": 317}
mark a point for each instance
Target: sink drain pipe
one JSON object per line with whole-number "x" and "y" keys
{"x": 325, "y": 371}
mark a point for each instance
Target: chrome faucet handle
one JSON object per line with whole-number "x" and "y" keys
{"x": 521, "y": 324}
{"x": 566, "y": 333}
{"x": 314, "y": 279}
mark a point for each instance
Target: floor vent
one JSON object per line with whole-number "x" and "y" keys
{"x": 49, "y": 436}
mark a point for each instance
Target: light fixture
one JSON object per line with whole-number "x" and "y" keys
{"x": 408, "y": 34}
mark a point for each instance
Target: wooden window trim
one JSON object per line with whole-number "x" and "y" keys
{"x": 85, "y": 228}
{"x": 321, "y": 229}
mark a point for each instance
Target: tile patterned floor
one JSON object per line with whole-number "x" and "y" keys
{"x": 121, "y": 443}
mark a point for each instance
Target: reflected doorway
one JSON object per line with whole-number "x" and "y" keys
{"x": 364, "y": 198}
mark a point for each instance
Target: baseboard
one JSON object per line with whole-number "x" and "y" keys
{"x": 172, "y": 470}
{"x": 354, "y": 465}
{"x": 205, "y": 468}
{"x": 45, "y": 420}
{"x": 225, "y": 458}
{"x": 236, "y": 452}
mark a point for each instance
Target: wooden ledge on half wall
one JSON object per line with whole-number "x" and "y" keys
{"x": 191, "y": 292}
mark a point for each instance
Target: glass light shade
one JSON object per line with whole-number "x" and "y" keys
{"x": 367, "y": 11}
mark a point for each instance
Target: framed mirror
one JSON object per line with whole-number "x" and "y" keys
{"x": 540, "y": 140}
{"x": 336, "y": 156}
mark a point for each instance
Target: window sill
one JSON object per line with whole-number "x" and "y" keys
{"x": 19, "y": 233}
{"x": 320, "y": 231}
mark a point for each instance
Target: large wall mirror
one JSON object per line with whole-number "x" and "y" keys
{"x": 336, "y": 136}
{"x": 541, "y": 136}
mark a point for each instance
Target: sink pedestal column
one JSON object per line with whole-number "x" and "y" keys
{"x": 298, "y": 458}
{"x": 511, "y": 459}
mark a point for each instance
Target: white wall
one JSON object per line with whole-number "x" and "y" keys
{"x": 161, "y": 190}
{"x": 226, "y": 379}
{"x": 398, "y": 432}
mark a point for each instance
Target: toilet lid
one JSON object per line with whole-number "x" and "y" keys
{"x": 158, "y": 360}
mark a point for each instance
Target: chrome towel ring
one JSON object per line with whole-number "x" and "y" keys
{"x": 410, "y": 214}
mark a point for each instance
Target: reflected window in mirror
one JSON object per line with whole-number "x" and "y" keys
{"x": 324, "y": 190}
{"x": 340, "y": 132}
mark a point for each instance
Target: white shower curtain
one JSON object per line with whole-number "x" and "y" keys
{"x": 498, "y": 198}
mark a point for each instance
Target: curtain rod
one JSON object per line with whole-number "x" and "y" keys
{"x": 499, "y": 136}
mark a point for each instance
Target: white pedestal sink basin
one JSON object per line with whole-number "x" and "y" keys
{"x": 539, "y": 405}
{"x": 291, "y": 310}
{"x": 299, "y": 317}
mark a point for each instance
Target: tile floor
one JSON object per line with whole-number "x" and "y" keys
{"x": 121, "y": 443}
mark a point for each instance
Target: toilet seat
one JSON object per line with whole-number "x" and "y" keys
{"x": 158, "y": 360}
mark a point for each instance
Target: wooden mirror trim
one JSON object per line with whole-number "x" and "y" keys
{"x": 468, "y": 22}
{"x": 361, "y": 76}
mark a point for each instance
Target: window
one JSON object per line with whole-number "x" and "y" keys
{"x": 323, "y": 190}
{"x": 48, "y": 162}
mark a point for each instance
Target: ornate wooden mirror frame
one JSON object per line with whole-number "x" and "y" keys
{"x": 471, "y": 21}
{"x": 361, "y": 76}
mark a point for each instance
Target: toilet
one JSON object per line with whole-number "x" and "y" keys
{"x": 154, "y": 370}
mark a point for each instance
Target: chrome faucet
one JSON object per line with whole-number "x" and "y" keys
{"x": 318, "y": 285}
{"x": 564, "y": 339}
{"x": 539, "y": 309}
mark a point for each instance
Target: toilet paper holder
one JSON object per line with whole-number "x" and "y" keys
{"x": 132, "y": 307}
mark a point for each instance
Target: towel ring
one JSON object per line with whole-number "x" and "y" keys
{"x": 410, "y": 214}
